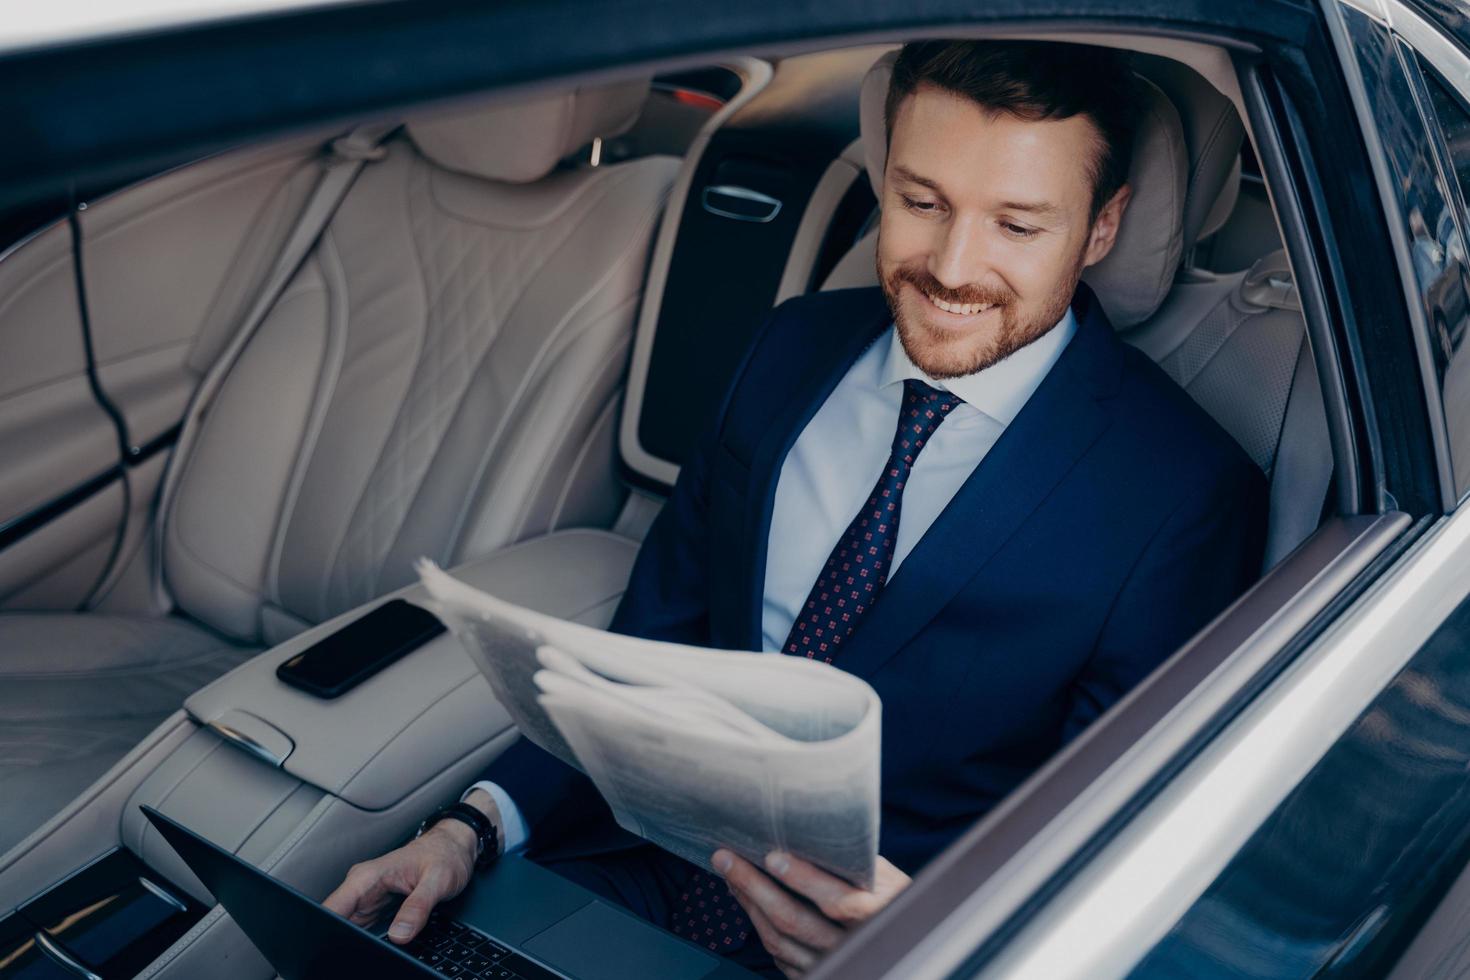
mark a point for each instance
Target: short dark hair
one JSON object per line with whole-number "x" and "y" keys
{"x": 1033, "y": 80}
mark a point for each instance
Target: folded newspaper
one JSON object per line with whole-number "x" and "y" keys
{"x": 693, "y": 749}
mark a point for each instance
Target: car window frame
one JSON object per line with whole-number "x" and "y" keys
{"x": 1427, "y": 46}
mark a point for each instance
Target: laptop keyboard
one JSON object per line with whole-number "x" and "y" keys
{"x": 457, "y": 950}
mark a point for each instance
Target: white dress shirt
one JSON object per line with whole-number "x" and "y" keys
{"x": 837, "y": 458}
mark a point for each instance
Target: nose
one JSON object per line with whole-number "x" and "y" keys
{"x": 959, "y": 258}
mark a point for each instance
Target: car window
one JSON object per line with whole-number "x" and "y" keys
{"x": 1438, "y": 249}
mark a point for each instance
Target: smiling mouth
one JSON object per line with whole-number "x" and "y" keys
{"x": 955, "y": 309}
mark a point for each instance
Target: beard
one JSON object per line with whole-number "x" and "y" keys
{"x": 949, "y": 355}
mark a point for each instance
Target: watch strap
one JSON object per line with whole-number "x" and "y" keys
{"x": 487, "y": 838}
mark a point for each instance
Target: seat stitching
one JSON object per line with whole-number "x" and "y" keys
{"x": 440, "y": 417}
{"x": 534, "y": 368}
{"x": 172, "y": 526}
{"x": 608, "y": 407}
{"x": 132, "y": 671}
{"x": 420, "y": 264}
{"x": 329, "y": 260}
{"x": 547, "y": 458}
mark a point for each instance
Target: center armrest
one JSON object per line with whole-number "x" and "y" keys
{"x": 378, "y": 742}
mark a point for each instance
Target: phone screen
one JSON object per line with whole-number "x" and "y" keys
{"x": 341, "y": 661}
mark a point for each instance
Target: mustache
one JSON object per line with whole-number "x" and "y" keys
{"x": 973, "y": 293}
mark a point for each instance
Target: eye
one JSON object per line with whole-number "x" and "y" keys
{"x": 918, "y": 206}
{"x": 1018, "y": 231}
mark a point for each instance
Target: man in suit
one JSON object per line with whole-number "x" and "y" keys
{"x": 960, "y": 487}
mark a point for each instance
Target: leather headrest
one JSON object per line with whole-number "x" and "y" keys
{"x": 521, "y": 142}
{"x": 1224, "y": 204}
{"x": 1136, "y": 276}
{"x": 1132, "y": 281}
{"x": 1213, "y": 134}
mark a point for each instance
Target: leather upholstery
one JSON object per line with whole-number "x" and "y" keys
{"x": 546, "y": 129}
{"x": 1213, "y": 133}
{"x": 78, "y": 691}
{"x": 422, "y": 389}
{"x": 1221, "y": 337}
{"x": 438, "y": 379}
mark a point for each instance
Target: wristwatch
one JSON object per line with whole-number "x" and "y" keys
{"x": 487, "y": 838}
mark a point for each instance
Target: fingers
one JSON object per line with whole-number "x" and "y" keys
{"x": 432, "y": 886}
{"x": 793, "y": 958}
{"x": 790, "y": 917}
{"x": 890, "y": 880}
{"x": 836, "y": 899}
{"x": 362, "y": 894}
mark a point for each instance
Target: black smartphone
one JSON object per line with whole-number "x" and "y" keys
{"x": 336, "y": 664}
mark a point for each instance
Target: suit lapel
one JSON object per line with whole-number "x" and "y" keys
{"x": 832, "y": 362}
{"x": 1057, "y": 426}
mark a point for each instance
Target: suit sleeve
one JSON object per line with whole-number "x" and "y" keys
{"x": 1203, "y": 557}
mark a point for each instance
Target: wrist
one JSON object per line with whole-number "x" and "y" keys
{"x": 476, "y": 834}
{"x": 462, "y": 836}
{"x": 485, "y": 803}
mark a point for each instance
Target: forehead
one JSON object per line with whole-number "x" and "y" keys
{"x": 977, "y": 155}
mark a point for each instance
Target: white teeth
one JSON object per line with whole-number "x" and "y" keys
{"x": 963, "y": 309}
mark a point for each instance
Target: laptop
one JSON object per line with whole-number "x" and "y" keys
{"x": 514, "y": 921}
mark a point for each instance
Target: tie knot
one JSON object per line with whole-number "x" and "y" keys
{"x": 917, "y": 394}
{"x": 924, "y": 407}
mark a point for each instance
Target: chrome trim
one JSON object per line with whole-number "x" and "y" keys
{"x": 743, "y": 194}
{"x": 158, "y": 892}
{"x": 245, "y": 742}
{"x": 1431, "y": 45}
{"x": 61, "y": 956}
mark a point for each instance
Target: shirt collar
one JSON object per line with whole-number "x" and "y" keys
{"x": 1001, "y": 390}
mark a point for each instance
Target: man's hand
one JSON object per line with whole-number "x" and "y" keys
{"x": 429, "y": 870}
{"x": 799, "y": 929}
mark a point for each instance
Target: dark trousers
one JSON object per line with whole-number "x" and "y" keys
{"x": 649, "y": 882}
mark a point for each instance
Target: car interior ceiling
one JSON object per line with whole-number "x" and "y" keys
{"x": 539, "y": 456}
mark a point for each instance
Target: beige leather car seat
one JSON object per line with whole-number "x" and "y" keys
{"x": 1237, "y": 343}
{"x": 439, "y": 379}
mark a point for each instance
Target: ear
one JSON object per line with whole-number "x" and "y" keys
{"x": 1104, "y": 232}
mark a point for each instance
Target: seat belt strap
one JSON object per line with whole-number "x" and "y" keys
{"x": 343, "y": 161}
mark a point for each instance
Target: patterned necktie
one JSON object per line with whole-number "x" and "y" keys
{"x": 849, "y": 583}
{"x": 858, "y": 566}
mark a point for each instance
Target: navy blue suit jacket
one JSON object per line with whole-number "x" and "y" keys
{"x": 1111, "y": 521}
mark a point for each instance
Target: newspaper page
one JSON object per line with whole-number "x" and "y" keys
{"x": 694, "y": 749}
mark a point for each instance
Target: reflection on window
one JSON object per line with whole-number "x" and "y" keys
{"x": 1440, "y": 263}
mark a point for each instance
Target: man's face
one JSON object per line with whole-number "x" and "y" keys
{"x": 985, "y": 228}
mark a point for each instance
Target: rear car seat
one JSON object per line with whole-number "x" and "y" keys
{"x": 440, "y": 378}
{"x": 1237, "y": 343}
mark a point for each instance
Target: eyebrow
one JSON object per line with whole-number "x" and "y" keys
{"x": 1041, "y": 209}
{"x": 904, "y": 173}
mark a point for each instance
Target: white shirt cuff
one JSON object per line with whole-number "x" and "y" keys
{"x": 513, "y": 828}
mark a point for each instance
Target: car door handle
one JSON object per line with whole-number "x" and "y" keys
{"x": 740, "y": 203}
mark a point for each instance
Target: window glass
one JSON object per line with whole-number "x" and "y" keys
{"x": 1441, "y": 266}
